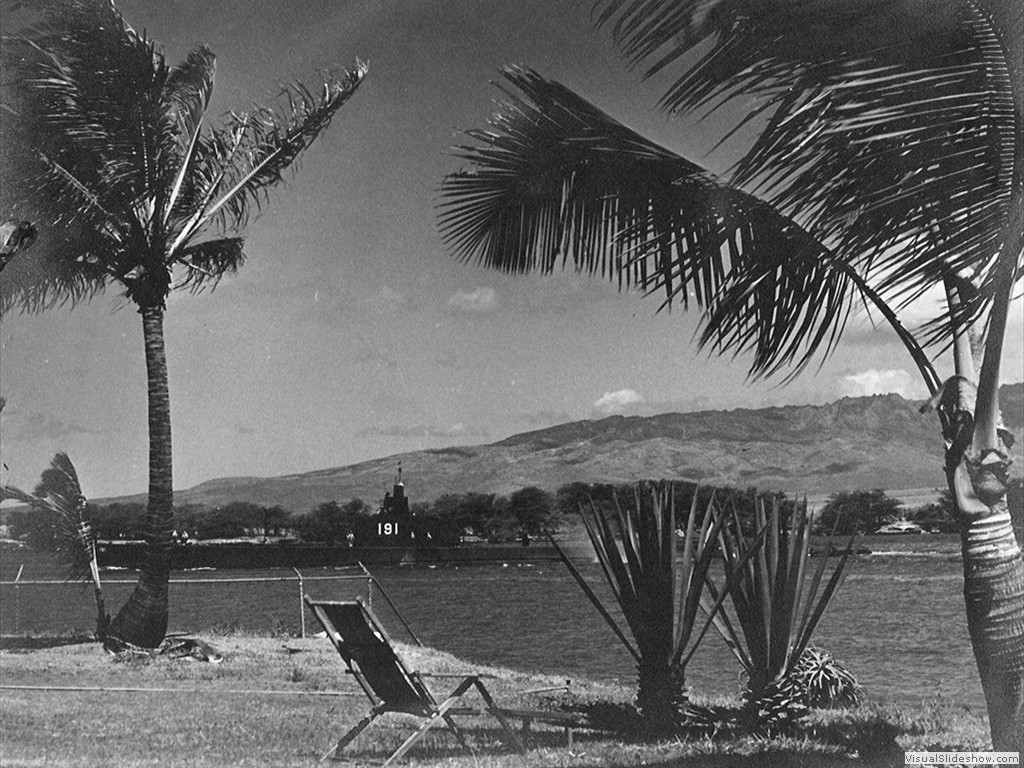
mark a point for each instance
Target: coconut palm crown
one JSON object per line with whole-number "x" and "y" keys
{"x": 107, "y": 153}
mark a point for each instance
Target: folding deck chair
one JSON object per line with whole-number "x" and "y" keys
{"x": 365, "y": 647}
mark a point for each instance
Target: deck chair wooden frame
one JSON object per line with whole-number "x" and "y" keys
{"x": 364, "y": 645}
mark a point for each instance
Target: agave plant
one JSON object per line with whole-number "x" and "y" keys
{"x": 826, "y": 682}
{"x": 659, "y": 583}
{"x": 60, "y": 494}
{"x": 775, "y": 611}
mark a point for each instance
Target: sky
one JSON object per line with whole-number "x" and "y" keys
{"x": 350, "y": 333}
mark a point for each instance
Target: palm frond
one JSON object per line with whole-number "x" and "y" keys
{"x": 89, "y": 136}
{"x": 43, "y": 277}
{"x": 209, "y": 261}
{"x": 557, "y": 181}
{"x": 251, "y": 151}
{"x": 892, "y": 128}
{"x": 188, "y": 89}
{"x": 59, "y": 492}
{"x": 189, "y": 86}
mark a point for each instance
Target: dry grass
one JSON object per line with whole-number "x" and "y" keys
{"x": 266, "y": 705}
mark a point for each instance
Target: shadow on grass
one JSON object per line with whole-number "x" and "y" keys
{"x": 774, "y": 759}
{"x": 491, "y": 748}
{"x": 23, "y": 643}
{"x": 441, "y": 744}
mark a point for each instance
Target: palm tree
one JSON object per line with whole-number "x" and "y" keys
{"x": 112, "y": 160}
{"x": 888, "y": 159}
{"x": 59, "y": 495}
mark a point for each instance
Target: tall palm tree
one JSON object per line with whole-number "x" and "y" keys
{"x": 888, "y": 159}
{"x": 111, "y": 158}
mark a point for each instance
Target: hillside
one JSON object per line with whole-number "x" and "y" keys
{"x": 853, "y": 443}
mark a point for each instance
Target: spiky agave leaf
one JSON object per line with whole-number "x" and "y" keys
{"x": 776, "y": 610}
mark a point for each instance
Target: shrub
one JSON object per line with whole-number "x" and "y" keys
{"x": 826, "y": 683}
{"x": 774, "y": 614}
{"x": 660, "y": 588}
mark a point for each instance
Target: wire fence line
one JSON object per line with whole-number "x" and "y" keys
{"x": 208, "y": 604}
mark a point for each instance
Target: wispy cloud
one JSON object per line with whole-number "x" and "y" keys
{"x": 880, "y": 382}
{"x": 38, "y": 426}
{"x": 546, "y": 418}
{"x": 479, "y": 300}
{"x": 424, "y": 430}
{"x": 618, "y": 401}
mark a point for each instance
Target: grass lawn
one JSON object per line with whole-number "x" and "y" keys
{"x": 267, "y": 704}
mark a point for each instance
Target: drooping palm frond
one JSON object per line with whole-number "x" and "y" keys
{"x": 887, "y": 128}
{"x": 207, "y": 262}
{"x": 89, "y": 142}
{"x": 557, "y": 181}
{"x": 58, "y": 492}
{"x": 775, "y": 610}
{"x": 74, "y": 542}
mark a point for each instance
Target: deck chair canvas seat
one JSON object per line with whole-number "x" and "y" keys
{"x": 366, "y": 649}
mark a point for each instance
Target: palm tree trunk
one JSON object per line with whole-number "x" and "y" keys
{"x": 142, "y": 620}
{"x": 661, "y": 694}
{"x": 994, "y": 593}
{"x": 977, "y": 471}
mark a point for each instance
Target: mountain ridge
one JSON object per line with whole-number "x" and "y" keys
{"x": 879, "y": 441}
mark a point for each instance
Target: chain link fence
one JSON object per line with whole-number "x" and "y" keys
{"x": 208, "y": 603}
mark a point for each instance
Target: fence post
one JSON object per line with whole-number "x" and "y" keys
{"x": 369, "y": 586}
{"x": 17, "y": 600}
{"x": 302, "y": 603}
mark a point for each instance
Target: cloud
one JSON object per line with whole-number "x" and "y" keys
{"x": 618, "y": 401}
{"x": 423, "y": 430}
{"x": 39, "y": 426}
{"x": 876, "y": 382}
{"x": 546, "y": 418}
{"x": 479, "y": 300}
